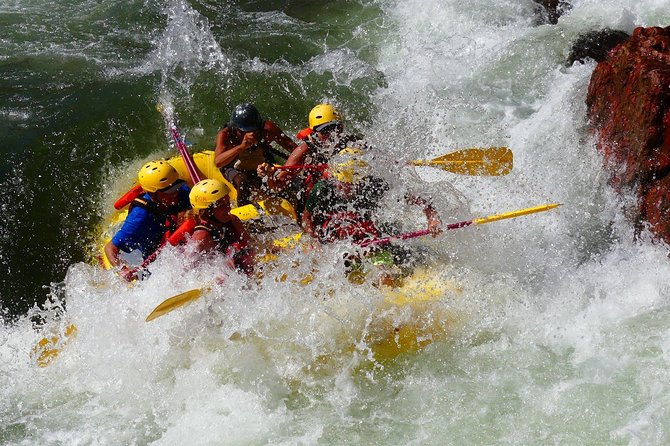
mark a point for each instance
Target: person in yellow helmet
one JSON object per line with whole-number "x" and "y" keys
{"x": 151, "y": 215}
{"x": 218, "y": 229}
{"x": 342, "y": 206}
{"x": 325, "y": 139}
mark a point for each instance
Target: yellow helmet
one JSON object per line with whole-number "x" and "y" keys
{"x": 157, "y": 175}
{"x": 323, "y": 114}
{"x": 207, "y": 192}
{"x": 347, "y": 166}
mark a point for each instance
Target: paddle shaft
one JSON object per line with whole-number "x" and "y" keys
{"x": 183, "y": 151}
{"x": 193, "y": 173}
{"x": 188, "y": 296}
{"x": 303, "y": 166}
{"x": 491, "y": 161}
{"x": 179, "y": 142}
{"x": 461, "y": 224}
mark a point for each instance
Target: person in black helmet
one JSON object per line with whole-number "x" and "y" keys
{"x": 245, "y": 143}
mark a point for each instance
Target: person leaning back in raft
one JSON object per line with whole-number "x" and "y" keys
{"x": 217, "y": 229}
{"x": 321, "y": 140}
{"x": 151, "y": 215}
{"x": 343, "y": 204}
{"x": 242, "y": 145}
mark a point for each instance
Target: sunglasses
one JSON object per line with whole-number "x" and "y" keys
{"x": 214, "y": 206}
{"x": 220, "y": 202}
{"x": 170, "y": 189}
{"x": 327, "y": 128}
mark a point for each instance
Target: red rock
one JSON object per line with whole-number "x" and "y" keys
{"x": 629, "y": 111}
{"x": 656, "y": 206}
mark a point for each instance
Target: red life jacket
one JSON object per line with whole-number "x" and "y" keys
{"x": 187, "y": 227}
{"x": 314, "y": 157}
{"x": 128, "y": 197}
{"x": 304, "y": 134}
{"x": 348, "y": 225}
{"x": 230, "y": 242}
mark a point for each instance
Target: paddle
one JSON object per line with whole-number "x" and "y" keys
{"x": 47, "y": 349}
{"x": 188, "y": 296}
{"x": 182, "y": 299}
{"x": 179, "y": 142}
{"x": 492, "y": 161}
{"x": 462, "y": 224}
{"x": 183, "y": 151}
{"x": 175, "y": 302}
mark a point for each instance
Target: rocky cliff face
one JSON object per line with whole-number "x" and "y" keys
{"x": 629, "y": 110}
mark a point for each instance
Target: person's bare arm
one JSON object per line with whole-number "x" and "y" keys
{"x": 224, "y": 154}
{"x": 298, "y": 155}
{"x": 112, "y": 253}
{"x": 203, "y": 241}
{"x": 278, "y": 179}
{"x": 434, "y": 221}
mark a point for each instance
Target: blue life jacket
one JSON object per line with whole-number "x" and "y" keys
{"x": 146, "y": 225}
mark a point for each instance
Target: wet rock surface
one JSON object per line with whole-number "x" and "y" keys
{"x": 595, "y": 45}
{"x": 629, "y": 110}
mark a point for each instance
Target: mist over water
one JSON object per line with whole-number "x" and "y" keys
{"x": 559, "y": 333}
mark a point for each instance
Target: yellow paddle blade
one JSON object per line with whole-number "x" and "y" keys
{"x": 491, "y": 161}
{"x": 175, "y": 302}
{"x": 500, "y": 154}
{"x": 48, "y": 348}
{"x": 513, "y": 214}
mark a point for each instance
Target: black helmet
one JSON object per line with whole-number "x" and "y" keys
{"x": 246, "y": 118}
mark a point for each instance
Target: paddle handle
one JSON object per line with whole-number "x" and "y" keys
{"x": 462, "y": 224}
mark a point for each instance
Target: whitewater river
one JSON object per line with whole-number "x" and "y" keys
{"x": 558, "y": 323}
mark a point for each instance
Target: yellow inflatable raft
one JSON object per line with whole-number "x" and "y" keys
{"x": 419, "y": 296}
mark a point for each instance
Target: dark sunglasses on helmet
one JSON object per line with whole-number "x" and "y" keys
{"x": 329, "y": 127}
{"x": 224, "y": 201}
{"x": 171, "y": 189}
